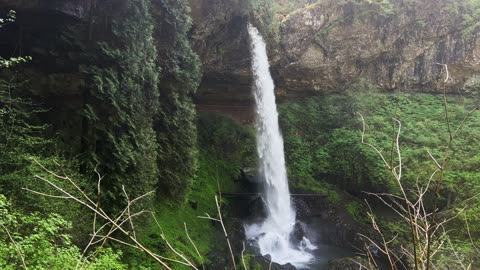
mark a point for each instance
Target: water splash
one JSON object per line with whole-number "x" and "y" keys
{"x": 273, "y": 235}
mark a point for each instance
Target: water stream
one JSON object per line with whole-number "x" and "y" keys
{"x": 273, "y": 235}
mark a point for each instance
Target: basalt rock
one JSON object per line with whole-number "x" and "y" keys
{"x": 263, "y": 262}
{"x": 330, "y": 44}
{"x": 258, "y": 209}
{"x": 314, "y": 45}
{"x": 219, "y": 36}
{"x": 327, "y": 45}
{"x": 250, "y": 176}
{"x": 325, "y": 222}
{"x": 297, "y": 234}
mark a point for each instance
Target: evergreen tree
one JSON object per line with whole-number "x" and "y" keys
{"x": 139, "y": 124}
{"x": 175, "y": 125}
{"x": 121, "y": 101}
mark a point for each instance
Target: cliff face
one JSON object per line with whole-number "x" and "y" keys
{"x": 220, "y": 38}
{"x": 329, "y": 44}
{"x": 314, "y": 45}
{"x": 318, "y": 46}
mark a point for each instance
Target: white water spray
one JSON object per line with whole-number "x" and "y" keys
{"x": 273, "y": 235}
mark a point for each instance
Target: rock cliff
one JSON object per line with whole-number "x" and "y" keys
{"x": 318, "y": 46}
{"x": 329, "y": 44}
{"x": 314, "y": 45}
{"x": 220, "y": 38}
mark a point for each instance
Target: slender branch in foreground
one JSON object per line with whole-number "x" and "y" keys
{"x": 243, "y": 258}
{"x": 17, "y": 248}
{"x": 220, "y": 220}
{"x": 104, "y": 225}
{"x": 428, "y": 235}
{"x": 194, "y": 246}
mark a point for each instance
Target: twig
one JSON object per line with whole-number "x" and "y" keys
{"x": 19, "y": 252}
{"x": 116, "y": 223}
{"x": 469, "y": 235}
{"x": 371, "y": 145}
{"x": 128, "y": 212}
{"x": 194, "y": 246}
{"x": 186, "y": 261}
{"x": 243, "y": 258}
{"x": 220, "y": 220}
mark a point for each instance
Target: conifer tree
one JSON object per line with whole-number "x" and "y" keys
{"x": 175, "y": 125}
{"x": 122, "y": 100}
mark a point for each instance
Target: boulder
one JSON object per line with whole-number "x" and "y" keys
{"x": 258, "y": 209}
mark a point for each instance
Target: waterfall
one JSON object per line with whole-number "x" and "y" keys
{"x": 273, "y": 235}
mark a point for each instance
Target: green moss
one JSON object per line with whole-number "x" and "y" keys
{"x": 320, "y": 187}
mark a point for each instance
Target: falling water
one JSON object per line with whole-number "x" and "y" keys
{"x": 273, "y": 235}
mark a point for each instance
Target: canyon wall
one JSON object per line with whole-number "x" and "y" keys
{"x": 315, "y": 46}
{"x": 326, "y": 45}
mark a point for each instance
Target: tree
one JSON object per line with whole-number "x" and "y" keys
{"x": 122, "y": 101}
{"x": 175, "y": 124}
{"x": 12, "y": 61}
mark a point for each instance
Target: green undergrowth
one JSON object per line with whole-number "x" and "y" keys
{"x": 323, "y": 147}
{"x": 333, "y": 194}
{"x": 225, "y": 147}
{"x": 323, "y": 139}
{"x": 249, "y": 261}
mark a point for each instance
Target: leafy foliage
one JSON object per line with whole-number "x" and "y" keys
{"x": 40, "y": 242}
{"x": 321, "y": 143}
{"x": 12, "y": 61}
{"x": 471, "y": 18}
{"x": 9, "y": 18}
{"x": 322, "y": 139}
{"x": 139, "y": 120}
{"x": 23, "y": 143}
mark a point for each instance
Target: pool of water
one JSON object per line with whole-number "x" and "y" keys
{"x": 324, "y": 254}
{"x": 326, "y": 236}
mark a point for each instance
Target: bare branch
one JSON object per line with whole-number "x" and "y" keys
{"x": 470, "y": 235}
{"x": 243, "y": 258}
{"x": 186, "y": 261}
{"x": 225, "y": 231}
{"x": 17, "y": 248}
{"x": 372, "y": 146}
{"x": 128, "y": 212}
{"x": 194, "y": 246}
{"x": 434, "y": 160}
